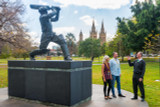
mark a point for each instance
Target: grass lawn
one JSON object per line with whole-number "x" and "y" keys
{"x": 3, "y": 76}
{"x": 152, "y": 88}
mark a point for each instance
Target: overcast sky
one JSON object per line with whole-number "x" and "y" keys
{"x": 76, "y": 15}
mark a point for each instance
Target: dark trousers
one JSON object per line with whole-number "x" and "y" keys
{"x": 108, "y": 81}
{"x": 137, "y": 83}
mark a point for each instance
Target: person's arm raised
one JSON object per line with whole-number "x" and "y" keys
{"x": 129, "y": 61}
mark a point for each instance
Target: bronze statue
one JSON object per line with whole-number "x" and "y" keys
{"x": 47, "y": 34}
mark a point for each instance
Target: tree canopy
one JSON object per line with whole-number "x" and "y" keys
{"x": 71, "y": 43}
{"x": 90, "y": 48}
{"x": 142, "y": 30}
{"x": 12, "y": 30}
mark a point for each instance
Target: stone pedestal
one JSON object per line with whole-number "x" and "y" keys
{"x": 59, "y": 82}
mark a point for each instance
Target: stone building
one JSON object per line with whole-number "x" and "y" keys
{"x": 93, "y": 33}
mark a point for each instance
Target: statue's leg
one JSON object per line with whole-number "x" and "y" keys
{"x": 38, "y": 52}
{"x": 43, "y": 49}
{"x": 61, "y": 41}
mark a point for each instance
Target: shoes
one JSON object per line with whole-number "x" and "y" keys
{"x": 134, "y": 98}
{"x": 106, "y": 98}
{"x": 120, "y": 95}
{"x": 109, "y": 97}
{"x": 114, "y": 96}
{"x": 142, "y": 100}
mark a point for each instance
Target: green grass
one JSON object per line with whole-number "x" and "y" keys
{"x": 152, "y": 88}
{"x": 3, "y": 76}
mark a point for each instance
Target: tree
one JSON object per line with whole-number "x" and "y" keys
{"x": 6, "y": 51}
{"x": 90, "y": 48}
{"x": 141, "y": 31}
{"x": 118, "y": 44}
{"x": 157, "y": 1}
{"x": 12, "y": 30}
{"x": 70, "y": 39}
{"x": 129, "y": 35}
{"x": 103, "y": 49}
{"x": 147, "y": 16}
{"x": 20, "y": 53}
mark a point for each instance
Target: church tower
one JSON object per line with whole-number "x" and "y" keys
{"x": 93, "y": 33}
{"x": 102, "y": 34}
{"x": 80, "y": 36}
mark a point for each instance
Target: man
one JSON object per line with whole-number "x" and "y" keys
{"x": 116, "y": 74}
{"x": 47, "y": 34}
{"x": 138, "y": 73}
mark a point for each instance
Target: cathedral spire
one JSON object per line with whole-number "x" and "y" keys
{"x": 102, "y": 27}
{"x": 93, "y": 33}
{"x": 102, "y": 34}
{"x": 93, "y": 27}
{"x": 80, "y": 36}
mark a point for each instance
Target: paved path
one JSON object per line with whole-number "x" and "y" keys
{"x": 3, "y": 64}
{"x": 96, "y": 101}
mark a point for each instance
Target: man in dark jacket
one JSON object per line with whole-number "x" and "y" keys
{"x": 138, "y": 73}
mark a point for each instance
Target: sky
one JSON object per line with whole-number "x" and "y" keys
{"x": 77, "y": 15}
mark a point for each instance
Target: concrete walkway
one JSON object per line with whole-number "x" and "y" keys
{"x": 3, "y": 64}
{"x": 96, "y": 101}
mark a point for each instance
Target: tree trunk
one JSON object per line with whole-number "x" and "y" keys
{"x": 92, "y": 58}
{"x": 122, "y": 58}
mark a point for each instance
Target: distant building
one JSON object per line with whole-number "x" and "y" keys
{"x": 93, "y": 33}
{"x": 80, "y": 36}
{"x": 102, "y": 34}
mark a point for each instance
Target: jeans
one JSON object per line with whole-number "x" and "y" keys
{"x": 116, "y": 78}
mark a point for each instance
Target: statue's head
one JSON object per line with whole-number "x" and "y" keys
{"x": 43, "y": 10}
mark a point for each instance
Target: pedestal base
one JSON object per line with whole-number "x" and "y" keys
{"x": 59, "y": 82}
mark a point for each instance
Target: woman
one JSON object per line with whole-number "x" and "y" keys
{"x": 106, "y": 76}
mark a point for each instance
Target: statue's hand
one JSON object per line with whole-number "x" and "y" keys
{"x": 58, "y": 9}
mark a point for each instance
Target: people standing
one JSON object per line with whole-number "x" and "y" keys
{"x": 138, "y": 74}
{"x": 116, "y": 74}
{"x": 106, "y": 76}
